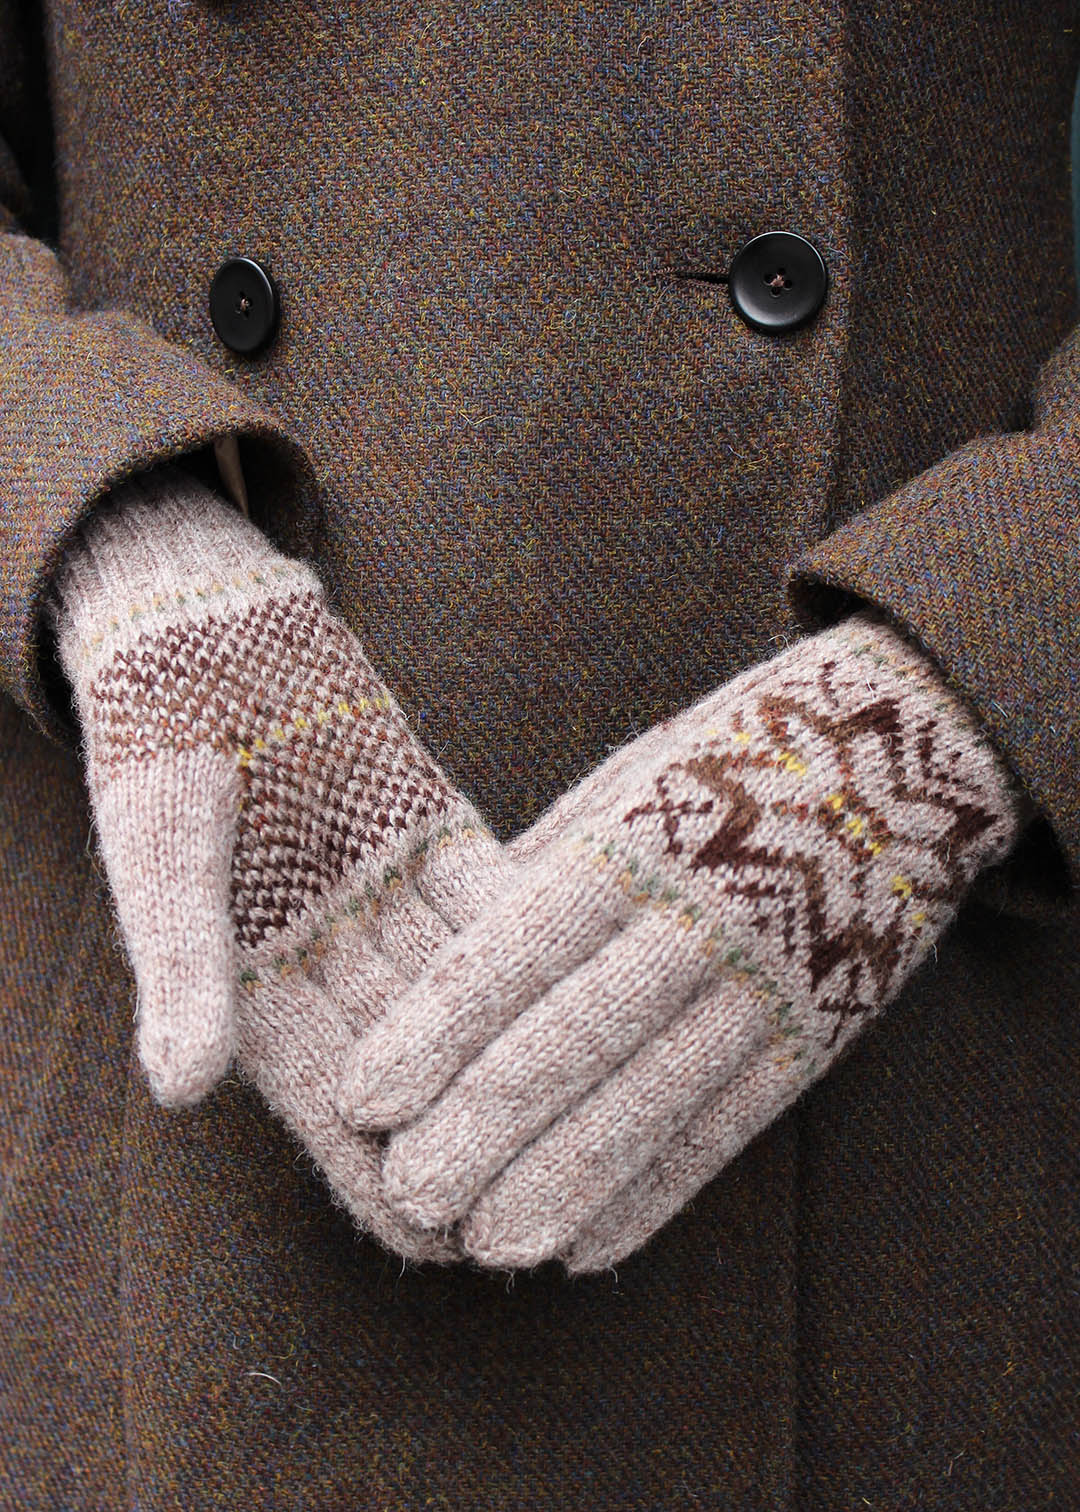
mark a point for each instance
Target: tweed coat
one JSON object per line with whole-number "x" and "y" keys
{"x": 560, "y": 489}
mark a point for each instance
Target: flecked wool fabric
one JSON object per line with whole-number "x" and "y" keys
{"x": 722, "y": 919}
{"x": 555, "y": 486}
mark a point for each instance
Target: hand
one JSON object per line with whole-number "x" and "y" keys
{"x": 727, "y": 908}
{"x": 283, "y": 854}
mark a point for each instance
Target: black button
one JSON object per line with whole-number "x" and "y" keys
{"x": 777, "y": 281}
{"x": 243, "y": 305}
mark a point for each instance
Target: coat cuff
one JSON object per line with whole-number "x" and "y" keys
{"x": 978, "y": 559}
{"x": 88, "y": 400}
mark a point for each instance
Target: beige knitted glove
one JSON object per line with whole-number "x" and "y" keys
{"x": 705, "y": 926}
{"x": 283, "y": 854}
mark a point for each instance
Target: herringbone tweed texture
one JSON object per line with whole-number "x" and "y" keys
{"x": 556, "y": 488}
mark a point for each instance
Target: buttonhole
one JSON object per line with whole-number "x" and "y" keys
{"x": 689, "y": 274}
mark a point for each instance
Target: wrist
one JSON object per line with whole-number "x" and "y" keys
{"x": 161, "y": 549}
{"x": 890, "y": 661}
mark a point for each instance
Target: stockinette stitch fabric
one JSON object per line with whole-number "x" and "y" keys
{"x": 704, "y": 927}
{"x": 283, "y": 854}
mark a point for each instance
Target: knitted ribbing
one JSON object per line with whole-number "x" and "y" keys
{"x": 727, "y": 908}
{"x": 282, "y": 852}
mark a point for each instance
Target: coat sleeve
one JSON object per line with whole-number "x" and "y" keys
{"x": 979, "y": 559}
{"x": 90, "y": 396}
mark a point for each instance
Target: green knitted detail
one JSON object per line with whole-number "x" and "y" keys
{"x": 663, "y": 893}
{"x": 921, "y": 675}
{"x": 161, "y": 605}
{"x": 355, "y": 906}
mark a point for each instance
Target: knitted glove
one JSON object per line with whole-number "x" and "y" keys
{"x": 705, "y": 926}
{"x": 284, "y": 856}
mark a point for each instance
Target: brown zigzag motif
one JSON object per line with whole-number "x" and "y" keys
{"x": 862, "y": 953}
{"x": 884, "y": 718}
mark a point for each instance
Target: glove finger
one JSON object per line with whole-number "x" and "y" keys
{"x": 291, "y": 1039}
{"x": 465, "y": 870}
{"x": 406, "y": 929}
{"x": 167, "y": 830}
{"x": 587, "y": 1025}
{"x": 419, "y": 900}
{"x": 538, "y": 931}
{"x": 535, "y": 1206}
{"x": 713, "y": 1136}
{"x": 380, "y": 942}
{"x": 359, "y": 978}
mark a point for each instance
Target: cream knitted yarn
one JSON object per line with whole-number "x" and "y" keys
{"x": 283, "y": 854}
{"x": 705, "y": 925}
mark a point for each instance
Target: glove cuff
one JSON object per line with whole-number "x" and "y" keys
{"x": 162, "y": 549}
{"x": 869, "y": 635}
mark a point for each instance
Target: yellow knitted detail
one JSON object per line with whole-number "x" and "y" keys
{"x": 159, "y": 602}
{"x": 790, "y": 761}
{"x": 466, "y": 833}
{"x": 300, "y": 722}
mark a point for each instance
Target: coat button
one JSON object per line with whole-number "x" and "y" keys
{"x": 243, "y": 305}
{"x": 777, "y": 281}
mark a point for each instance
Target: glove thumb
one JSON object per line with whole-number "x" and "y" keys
{"x": 167, "y": 829}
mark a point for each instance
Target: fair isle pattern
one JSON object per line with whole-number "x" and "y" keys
{"x": 439, "y": 190}
{"x": 838, "y": 817}
{"x": 356, "y": 905}
{"x": 261, "y": 804}
{"x": 158, "y": 608}
{"x": 331, "y": 776}
{"x": 926, "y": 756}
{"x": 726, "y": 913}
{"x": 282, "y": 853}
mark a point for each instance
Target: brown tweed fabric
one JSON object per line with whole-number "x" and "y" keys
{"x": 556, "y": 487}
{"x": 1003, "y": 514}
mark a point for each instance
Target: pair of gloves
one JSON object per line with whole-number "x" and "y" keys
{"x": 504, "y": 1054}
